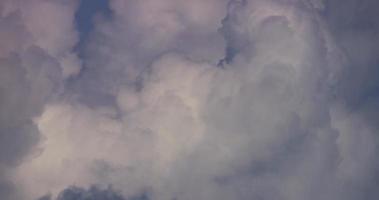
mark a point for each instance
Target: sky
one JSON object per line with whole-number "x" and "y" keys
{"x": 189, "y": 99}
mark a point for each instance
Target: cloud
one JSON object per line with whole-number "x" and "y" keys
{"x": 30, "y": 75}
{"x": 250, "y": 99}
{"x": 93, "y": 193}
{"x": 27, "y": 82}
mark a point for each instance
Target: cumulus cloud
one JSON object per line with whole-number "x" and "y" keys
{"x": 175, "y": 99}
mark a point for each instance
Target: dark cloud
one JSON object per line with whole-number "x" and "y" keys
{"x": 29, "y": 78}
{"x": 26, "y": 82}
{"x": 93, "y": 193}
{"x": 235, "y": 42}
{"x": 356, "y": 31}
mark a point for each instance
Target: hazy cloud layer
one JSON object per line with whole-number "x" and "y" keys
{"x": 178, "y": 99}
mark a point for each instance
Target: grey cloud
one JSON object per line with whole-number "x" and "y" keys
{"x": 120, "y": 50}
{"x": 234, "y": 41}
{"x": 93, "y": 193}
{"x": 290, "y": 115}
{"x": 29, "y": 77}
{"x": 355, "y": 29}
{"x": 25, "y": 87}
{"x": 75, "y": 193}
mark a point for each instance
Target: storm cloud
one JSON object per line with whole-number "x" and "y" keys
{"x": 178, "y": 99}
